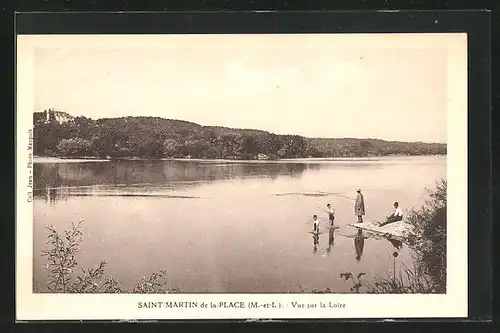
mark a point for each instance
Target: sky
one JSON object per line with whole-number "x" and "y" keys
{"x": 391, "y": 87}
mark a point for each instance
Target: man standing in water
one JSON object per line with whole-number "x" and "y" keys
{"x": 359, "y": 206}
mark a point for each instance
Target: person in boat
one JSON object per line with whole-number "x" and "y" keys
{"x": 396, "y": 216}
{"x": 315, "y": 224}
{"x": 359, "y": 244}
{"x": 359, "y": 206}
{"x": 331, "y": 214}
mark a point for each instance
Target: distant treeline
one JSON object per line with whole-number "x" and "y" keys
{"x": 59, "y": 134}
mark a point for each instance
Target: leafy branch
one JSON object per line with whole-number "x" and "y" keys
{"x": 355, "y": 280}
{"x": 62, "y": 264}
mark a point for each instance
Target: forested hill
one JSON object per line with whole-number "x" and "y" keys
{"x": 59, "y": 134}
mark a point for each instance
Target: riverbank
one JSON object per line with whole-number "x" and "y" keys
{"x": 49, "y": 159}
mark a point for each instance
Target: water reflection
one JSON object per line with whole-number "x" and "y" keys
{"x": 315, "y": 242}
{"x": 359, "y": 243}
{"x": 136, "y": 172}
{"x": 53, "y": 194}
{"x": 396, "y": 243}
{"x": 331, "y": 240}
{"x": 245, "y": 209}
{"x": 152, "y": 175}
{"x": 50, "y": 195}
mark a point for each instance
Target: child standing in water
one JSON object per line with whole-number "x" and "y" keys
{"x": 331, "y": 214}
{"x": 315, "y": 223}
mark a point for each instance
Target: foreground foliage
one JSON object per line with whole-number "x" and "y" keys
{"x": 63, "y": 265}
{"x": 429, "y": 239}
{"x": 428, "y": 243}
{"x": 406, "y": 281}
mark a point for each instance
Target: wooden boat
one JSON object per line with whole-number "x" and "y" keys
{"x": 397, "y": 230}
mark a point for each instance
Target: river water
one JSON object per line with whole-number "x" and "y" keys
{"x": 228, "y": 226}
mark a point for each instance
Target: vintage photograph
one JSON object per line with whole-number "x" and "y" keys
{"x": 241, "y": 164}
{"x": 248, "y": 165}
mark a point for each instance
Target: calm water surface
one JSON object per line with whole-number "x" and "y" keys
{"x": 218, "y": 226}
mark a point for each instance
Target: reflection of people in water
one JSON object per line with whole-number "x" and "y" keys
{"x": 359, "y": 243}
{"x": 315, "y": 242}
{"x": 331, "y": 239}
{"x": 396, "y": 216}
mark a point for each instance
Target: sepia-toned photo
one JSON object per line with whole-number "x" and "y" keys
{"x": 276, "y": 172}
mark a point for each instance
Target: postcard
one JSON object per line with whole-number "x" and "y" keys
{"x": 241, "y": 176}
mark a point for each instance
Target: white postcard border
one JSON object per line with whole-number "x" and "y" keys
{"x": 31, "y": 306}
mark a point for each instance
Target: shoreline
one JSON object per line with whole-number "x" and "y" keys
{"x": 49, "y": 159}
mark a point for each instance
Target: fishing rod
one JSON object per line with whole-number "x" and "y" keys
{"x": 338, "y": 195}
{"x": 344, "y": 196}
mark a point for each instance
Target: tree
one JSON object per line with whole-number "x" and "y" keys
{"x": 429, "y": 239}
{"x": 313, "y": 152}
{"x": 82, "y": 127}
{"x": 193, "y": 147}
{"x": 170, "y": 147}
{"x": 232, "y": 145}
{"x": 74, "y": 147}
{"x": 124, "y": 152}
{"x": 250, "y": 147}
{"x": 296, "y": 146}
{"x": 154, "y": 137}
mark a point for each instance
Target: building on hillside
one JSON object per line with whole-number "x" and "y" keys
{"x": 261, "y": 156}
{"x": 62, "y": 117}
{"x": 47, "y": 115}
